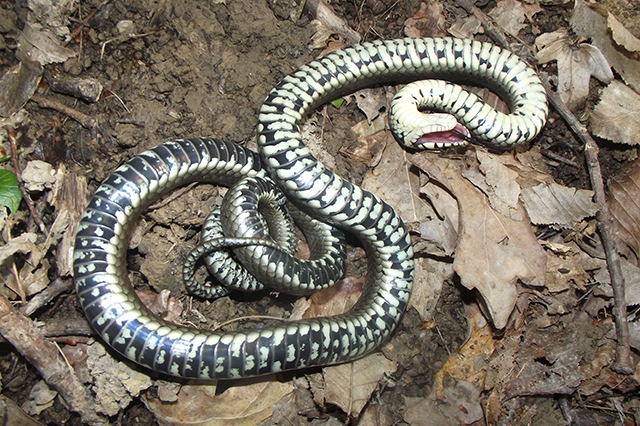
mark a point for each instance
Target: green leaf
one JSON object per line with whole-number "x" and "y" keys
{"x": 337, "y": 102}
{"x": 10, "y": 194}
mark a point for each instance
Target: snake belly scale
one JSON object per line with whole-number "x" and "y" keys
{"x": 116, "y": 313}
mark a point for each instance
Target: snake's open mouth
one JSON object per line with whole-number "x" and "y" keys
{"x": 459, "y": 135}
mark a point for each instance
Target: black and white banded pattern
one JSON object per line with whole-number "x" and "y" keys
{"x": 125, "y": 324}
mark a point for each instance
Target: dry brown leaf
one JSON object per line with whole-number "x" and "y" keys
{"x": 336, "y": 299}
{"x": 17, "y": 85}
{"x": 439, "y": 235}
{"x": 498, "y": 182}
{"x": 466, "y": 28}
{"x": 617, "y": 115}
{"x": 511, "y": 15}
{"x": 576, "y": 65}
{"x": 42, "y": 46}
{"x": 553, "y": 204}
{"x": 333, "y": 23}
{"x": 115, "y": 384}
{"x": 624, "y": 205}
{"x": 429, "y": 275}
{"x": 621, "y": 35}
{"x": 589, "y": 24}
{"x": 570, "y": 270}
{"x": 237, "y": 406}
{"x": 454, "y": 397}
{"x": 371, "y": 102}
{"x": 494, "y": 251}
{"x": 394, "y": 181}
{"x": 428, "y": 21}
{"x": 312, "y": 134}
{"x": 24, "y": 243}
{"x": 372, "y": 140}
{"x": 349, "y": 386}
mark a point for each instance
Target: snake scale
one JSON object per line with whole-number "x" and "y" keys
{"x": 119, "y": 317}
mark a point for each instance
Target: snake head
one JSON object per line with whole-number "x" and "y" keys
{"x": 458, "y": 136}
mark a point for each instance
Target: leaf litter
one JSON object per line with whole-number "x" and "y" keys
{"x": 538, "y": 322}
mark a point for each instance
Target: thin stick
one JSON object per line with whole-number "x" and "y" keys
{"x": 23, "y": 334}
{"x": 25, "y": 195}
{"x": 84, "y": 22}
{"x": 622, "y": 364}
{"x": 86, "y": 121}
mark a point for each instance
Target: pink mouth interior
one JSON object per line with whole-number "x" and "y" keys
{"x": 448, "y": 137}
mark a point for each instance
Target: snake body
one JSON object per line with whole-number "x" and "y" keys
{"x": 116, "y": 313}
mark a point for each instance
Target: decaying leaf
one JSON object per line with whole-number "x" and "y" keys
{"x": 42, "y": 46}
{"x": 17, "y": 85}
{"x": 312, "y": 134}
{"x": 617, "y": 116}
{"x": 455, "y": 396}
{"x": 51, "y": 15}
{"x": 498, "y": 182}
{"x": 371, "y": 102}
{"x": 349, "y": 386}
{"x": 576, "y": 65}
{"x": 493, "y": 251}
{"x": 38, "y": 175}
{"x": 372, "y": 140}
{"x": 24, "y": 243}
{"x": 428, "y": 20}
{"x": 466, "y": 28}
{"x": 41, "y": 397}
{"x": 511, "y": 14}
{"x": 334, "y": 23}
{"x": 200, "y": 404}
{"x": 590, "y": 24}
{"x": 547, "y": 361}
{"x": 570, "y": 269}
{"x": 115, "y": 384}
{"x": 553, "y": 204}
{"x": 623, "y": 197}
{"x": 621, "y": 35}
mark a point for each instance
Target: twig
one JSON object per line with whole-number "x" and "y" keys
{"x": 45, "y": 296}
{"x": 622, "y": 364}
{"x": 489, "y": 28}
{"x": 85, "y": 121}
{"x": 84, "y": 22}
{"x": 23, "y": 334}
{"x": 25, "y": 195}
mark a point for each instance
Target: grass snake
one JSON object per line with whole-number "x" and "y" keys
{"x": 105, "y": 293}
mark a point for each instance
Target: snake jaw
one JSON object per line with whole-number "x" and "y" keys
{"x": 455, "y": 137}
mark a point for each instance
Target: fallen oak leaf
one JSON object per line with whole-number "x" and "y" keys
{"x": 554, "y": 204}
{"x": 577, "y": 63}
{"x": 622, "y": 35}
{"x": 511, "y": 15}
{"x": 349, "y": 386}
{"x": 590, "y": 24}
{"x": 202, "y": 405}
{"x": 493, "y": 251}
{"x": 617, "y": 115}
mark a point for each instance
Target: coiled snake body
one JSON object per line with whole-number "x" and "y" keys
{"x": 114, "y": 310}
